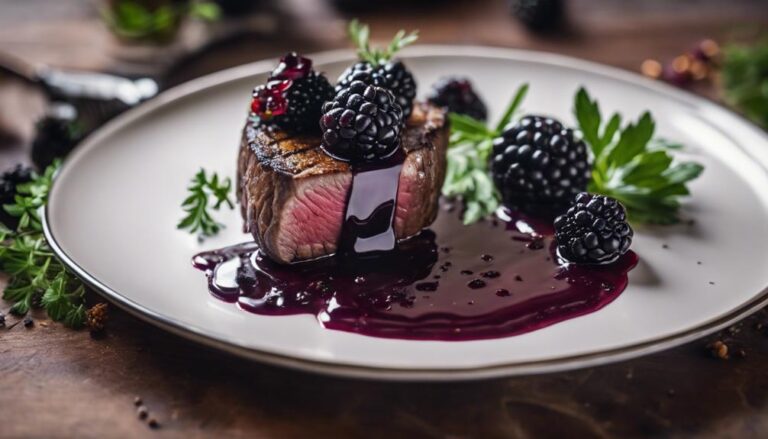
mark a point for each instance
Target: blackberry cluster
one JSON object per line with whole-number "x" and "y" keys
{"x": 392, "y": 75}
{"x": 361, "y": 124}
{"x": 538, "y": 15}
{"x": 593, "y": 231}
{"x": 457, "y": 96}
{"x": 538, "y": 165}
{"x": 293, "y": 96}
{"x": 9, "y": 180}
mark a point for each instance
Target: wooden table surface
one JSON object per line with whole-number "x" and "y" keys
{"x": 56, "y": 382}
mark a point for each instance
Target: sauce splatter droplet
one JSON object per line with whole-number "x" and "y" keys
{"x": 427, "y": 286}
{"x": 476, "y": 283}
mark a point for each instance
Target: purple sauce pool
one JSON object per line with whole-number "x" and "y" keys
{"x": 516, "y": 284}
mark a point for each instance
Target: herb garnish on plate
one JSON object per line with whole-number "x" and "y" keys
{"x": 204, "y": 191}
{"x": 469, "y": 151}
{"x": 627, "y": 163}
{"x": 37, "y": 278}
{"x": 631, "y": 167}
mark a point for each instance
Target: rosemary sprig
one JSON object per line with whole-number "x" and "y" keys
{"x": 360, "y": 34}
{"x": 201, "y": 190}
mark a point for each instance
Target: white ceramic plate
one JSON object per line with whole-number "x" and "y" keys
{"x": 115, "y": 204}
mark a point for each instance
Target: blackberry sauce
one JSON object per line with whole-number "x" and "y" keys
{"x": 368, "y": 228}
{"x": 417, "y": 291}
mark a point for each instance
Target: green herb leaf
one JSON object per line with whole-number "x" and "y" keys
{"x": 201, "y": 190}
{"x": 588, "y": 116}
{"x": 635, "y": 169}
{"x": 469, "y": 151}
{"x": 208, "y": 11}
{"x": 359, "y": 35}
{"x": 37, "y": 278}
{"x": 632, "y": 142}
{"x": 512, "y": 108}
{"x": 745, "y": 81}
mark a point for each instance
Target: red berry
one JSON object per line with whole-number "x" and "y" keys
{"x": 270, "y": 100}
{"x": 292, "y": 96}
{"x": 292, "y": 66}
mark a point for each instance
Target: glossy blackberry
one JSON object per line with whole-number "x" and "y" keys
{"x": 539, "y": 166}
{"x": 361, "y": 124}
{"x": 9, "y": 180}
{"x": 392, "y": 75}
{"x": 593, "y": 231}
{"x": 293, "y": 96}
{"x": 538, "y": 15}
{"x": 458, "y": 96}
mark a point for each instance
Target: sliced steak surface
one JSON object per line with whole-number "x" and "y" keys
{"x": 293, "y": 196}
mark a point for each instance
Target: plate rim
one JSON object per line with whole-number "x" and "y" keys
{"x": 594, "y": 358}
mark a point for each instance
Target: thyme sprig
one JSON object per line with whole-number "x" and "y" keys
{"x": 205, "y": 193}
{"x": 360, "y": 34}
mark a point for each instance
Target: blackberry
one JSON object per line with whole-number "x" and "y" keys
{"x": 57, "y": 134}
{"x": 9, "y": 180}
{"x": 538, "y": 15}
{"x": 361, "y": 124}
{"x": 593, "y": 231}
{"x": 538, "y": 165}
{"x": 458, "y": 96}
{"x": 391, "y": 75}
{"x": 293, "y": 96}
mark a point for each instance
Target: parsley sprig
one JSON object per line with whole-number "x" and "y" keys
{"x": 202, "y": 190}
{"x": 469, "y": 152}
{"x": 360, "y": 34}
{"x": 37, "y": 278}
{"x": 629, "y": 165}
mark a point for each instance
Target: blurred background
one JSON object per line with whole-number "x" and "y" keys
{"x": 49, "y": 49}
{"x": 67, "y": 66}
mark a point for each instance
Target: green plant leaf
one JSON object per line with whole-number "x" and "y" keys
{"x": 632, "y": 142}
{"x": 202, "y": 189}
{"x": 37, "y": 278}
{"x": 513, "y": 106}
{"x": 208, "y": 11}
{"x": 588, "y": 115}
{"x": 467, "y": 177}
{"x": 359, "y": 35}
{"x": 633, "y": 167}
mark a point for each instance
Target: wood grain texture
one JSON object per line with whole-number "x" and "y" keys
{"x": 56, "y": 382}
